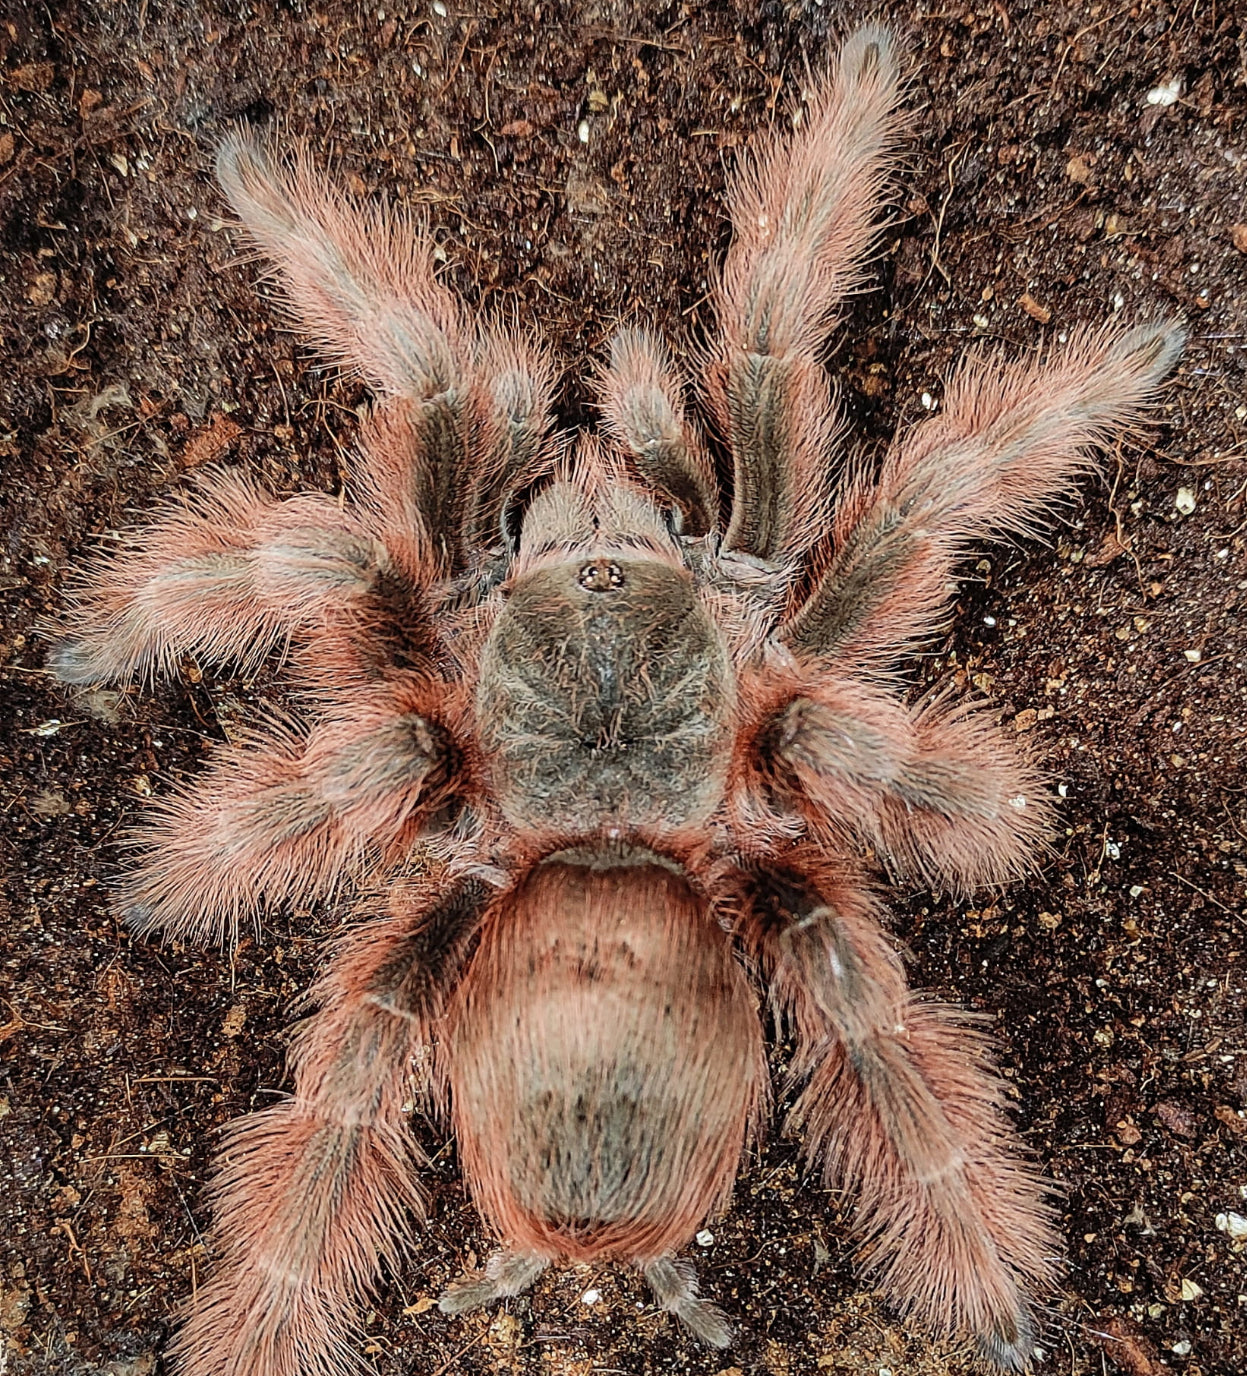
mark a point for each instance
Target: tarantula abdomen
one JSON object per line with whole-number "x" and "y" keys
{"x": 605, "y": 1061}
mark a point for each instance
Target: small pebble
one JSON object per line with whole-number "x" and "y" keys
{"x": 582, "y": 131}
{"x": 705, "y": 1238}
{"x": 1185, "y": 500}
{"x": 48, "y": 728}
{"x": 1233, "y": 1224}
{"x": 1182, "y": 1348}
{"x": 1165, "y": 94}
{"x": 1191, "y": 1291}
{"x": 590, "y": 1297}
{"x": 1193, "y": 656}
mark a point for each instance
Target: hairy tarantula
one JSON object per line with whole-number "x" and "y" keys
{"x": 603, "y": 753}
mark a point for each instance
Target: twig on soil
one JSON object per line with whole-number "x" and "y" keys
{"x": 64, "y": 1226}
{"x": 1215, "y": 902}
{"x": 173, "y": 1079}
{"x": 449, "y": 1365}
{"x": 1123, "y": 538}
{"x": 458, "y": 62}
{"x": 936, "y": 265}
{"x": 610, "y": 36}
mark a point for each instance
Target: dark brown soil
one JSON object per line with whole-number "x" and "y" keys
{"x": 1043, "y": 189}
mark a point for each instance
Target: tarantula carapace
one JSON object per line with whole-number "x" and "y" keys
{"x": 602, "y": 754}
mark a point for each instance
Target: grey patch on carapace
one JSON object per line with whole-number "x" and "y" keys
{"x": 606, "y": 702}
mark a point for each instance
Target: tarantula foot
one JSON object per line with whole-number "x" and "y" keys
{"x": 1010, "y": 1346}
{"x": 675, "y": 1288}
{"x": 505, "y": 1274}
{"x": 1154, "y": 348}
{"x": 71, "y": 660}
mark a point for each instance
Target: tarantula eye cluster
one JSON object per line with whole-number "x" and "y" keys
{"x": 604, "y": 736}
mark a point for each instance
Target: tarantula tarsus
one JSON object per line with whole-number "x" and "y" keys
{"x": 601, "y": 763}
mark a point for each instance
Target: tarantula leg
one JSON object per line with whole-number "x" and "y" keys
{"x": 360, "y": 281}
{"x": 642, "y": 405}
{"x": 512, "y": 449}
{"x": 281, "y": 819}
{"x": 507, "y": 436}
{"x": 313, "y": 1197}
{"x": 965, "y": 810}
{"x": 939, "y": 792}
{"x": 358, "y": 278}
{"x": 1006, "y": 448}
{"x": 803, "y": 221}
{"x": 901, "y": 1105}
{"x": 674, "y": 1284}
{"x": 505, "y": 1274}
{"x": 228, "y": 574}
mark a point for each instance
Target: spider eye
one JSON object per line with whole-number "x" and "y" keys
{"x": 602, "y": 575}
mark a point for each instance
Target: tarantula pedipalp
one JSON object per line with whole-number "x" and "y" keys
{"x": 598, "y": 758}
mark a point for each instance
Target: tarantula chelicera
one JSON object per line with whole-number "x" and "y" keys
{"x": 604, "y": 750}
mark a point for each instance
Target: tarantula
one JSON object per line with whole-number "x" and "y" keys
{"x": 603, "y": 753}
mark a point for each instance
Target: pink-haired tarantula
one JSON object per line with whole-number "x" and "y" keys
{"x": 604, "y": 752}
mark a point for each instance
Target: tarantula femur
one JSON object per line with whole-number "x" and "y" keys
{"x": 603, "y": 752}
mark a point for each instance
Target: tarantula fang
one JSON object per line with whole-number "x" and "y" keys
{"x": 604, "y": 747}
